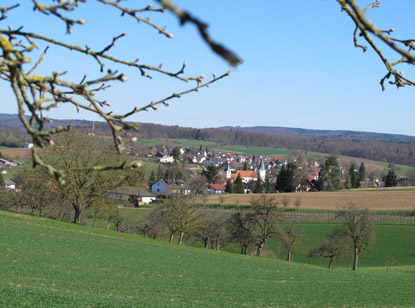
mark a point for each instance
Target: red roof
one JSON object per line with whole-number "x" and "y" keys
{"x": 244, "y": 174}
{"x": 217, "y": 186}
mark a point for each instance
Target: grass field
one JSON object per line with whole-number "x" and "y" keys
{"x": 400, "y": 198}
{"x": 47, "y": 263}
{"x": 182, "y": 142}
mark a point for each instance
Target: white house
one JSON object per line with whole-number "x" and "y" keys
{"x": 166, "y": 160}
{"x": 134, "y": 195}
{"x": 9, "y": 184}
{"x": 167, "y": 187}
{"x": 27, "y": 145}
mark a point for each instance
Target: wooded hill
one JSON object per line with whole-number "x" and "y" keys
{"x": 398, "y": 149}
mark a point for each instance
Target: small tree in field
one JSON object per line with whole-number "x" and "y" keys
{"x": 289, "y": 238}
{"x": 333, "y": 247}
{"x": 297, "y": 203}
{"x": 182, "y": 214}
{"x": 241, "y": 230}
{"x": 357, "y": 227}
{"x": 84, "y": 186}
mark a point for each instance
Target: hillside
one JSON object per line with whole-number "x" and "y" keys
{"x": 47, "y": 263}
{"x": 386, "y": 148}
{"x": 316, "y": 133}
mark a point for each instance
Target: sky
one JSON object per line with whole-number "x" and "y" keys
{"x": 300, "y": 68}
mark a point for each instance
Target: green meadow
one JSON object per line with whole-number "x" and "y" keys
{"x": 268, "y": 151}
{"x": 47, "y": 263}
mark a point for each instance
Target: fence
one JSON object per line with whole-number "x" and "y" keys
{"x": 304, "y": 216}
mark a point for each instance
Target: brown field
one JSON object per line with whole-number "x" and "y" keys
{"x": 16, "y": 153}
{"x": 374, "y": 199}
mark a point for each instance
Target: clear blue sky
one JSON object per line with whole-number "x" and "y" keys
{"x": 300, "y": 68}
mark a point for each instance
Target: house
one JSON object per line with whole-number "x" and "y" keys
{"x": 216, "y": 189}
{"x": 27, "y": 145}
{"x": 246, "y": 175}
{"x": 166, "y": 160}
{"x": 9, "y": 184}
{"x": 134, "y": 195}
{"x": 306, "y": 186}
{"x": 167, "y": 187}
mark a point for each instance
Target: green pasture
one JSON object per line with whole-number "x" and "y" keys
{"x": 395, "y": 242}
{"x": 267, "y": 151}
{"x": 400, "y": 170}
{"x": 182, "y": 142}
{"x": 47, "y": 263}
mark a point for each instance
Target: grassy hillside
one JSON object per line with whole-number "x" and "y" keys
{"x": 46, "y": 263}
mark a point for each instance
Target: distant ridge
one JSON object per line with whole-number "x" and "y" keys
{"x": 388, "y": 148}
{"x": 315, "y": 133}
{"x": 13, "y": 121}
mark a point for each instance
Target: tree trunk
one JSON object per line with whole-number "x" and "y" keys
{"x": 260, "y": 246}
{"x": 171, "y": 237}
{"x": 290, "y": 255}
{"x": 331, "y": 262}
{"x": 206, "y": 240}
{"x": 77, "y": 218}
{"x": 355, "y": 259}
{"x": 181, "y": 238}
{"x": 217, "y": 244}
{"x": 244, "y": 250}
{"x": 109, "y": 224}
{"x": 93, "y": 223}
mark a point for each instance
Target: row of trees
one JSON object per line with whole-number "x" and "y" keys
{"x": 180, "y": 215}
{"x": 86, "y": 186}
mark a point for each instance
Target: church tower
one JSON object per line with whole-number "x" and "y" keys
{"x": 262, "y": 171}
{"x": 228, "y": 171}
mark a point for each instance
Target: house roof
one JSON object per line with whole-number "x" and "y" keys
{"x": 9, "y": 182}
{"x": 217, "y": 186}
{"x": 244, "y": 174}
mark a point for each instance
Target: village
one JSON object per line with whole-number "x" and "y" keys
{"x": 204, "y": 171}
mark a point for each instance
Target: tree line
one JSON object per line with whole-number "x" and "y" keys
{"x": 398, "y": 152}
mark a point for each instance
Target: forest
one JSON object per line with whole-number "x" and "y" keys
{"x": 360, "y": 145}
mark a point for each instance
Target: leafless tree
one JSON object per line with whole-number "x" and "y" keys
{"x": 84, "y": 186}
{"x": 289, "y": 238}
{"x": 366, "y": 30}
{"x": 358, "y": 227}
{"x": 212, "y": 231}
{"x": 333, "y": 247}
{"x": 285, "y": 202}
{"x": 182, "y": 215}
{"x": 39, "y": 94}
{"x": 241, "y": 230}
{"x": 265, "y": 217}
{"x": 297, "y": 203}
